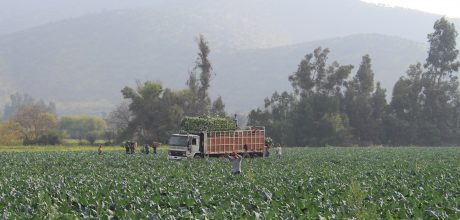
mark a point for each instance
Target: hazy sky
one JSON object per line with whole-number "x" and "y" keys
{"x": 450, "y": 8}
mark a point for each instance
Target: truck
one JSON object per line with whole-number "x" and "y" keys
{"x": 249, "y": 141}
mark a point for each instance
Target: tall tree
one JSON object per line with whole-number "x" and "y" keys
{"x": 358, "y": 105}
{"x": 408, "y": 95}
{"x": 442, "y": 55}
{"x": 314, "y": 76}
{"x": 440, "y": 85}
{"x": 145, "y": 107}
{"x": 379, "y": 105}
{"x": 365, "y": 77}
{"x": 218, "y": 107}
{"x": 199, "y": 97}
{"x": 310, "y": 116}
{"x": 34, "y": 121}
{"x": 118, "y": 120}
{"x": 205, "y": 67}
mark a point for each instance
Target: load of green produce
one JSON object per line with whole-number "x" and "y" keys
{"x": 268, "y": 141}
{"x": 206, "y": 123}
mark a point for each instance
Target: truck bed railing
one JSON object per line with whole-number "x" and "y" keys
{"x": 223, "y": 142}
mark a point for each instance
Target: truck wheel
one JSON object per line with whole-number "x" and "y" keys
{"x": 197, "y": 156}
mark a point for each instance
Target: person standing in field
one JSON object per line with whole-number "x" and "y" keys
{"x": 132, "y": 147}
{"x": 236, "y": 163}
{"x": 246, "y": 153}
{"x": 266, "y": 150}
{"x": 146, "y": 149}
{"x": 155, "y": 146}
{"x": 278, "y": 151}
{"x": 127, "y": 147}
{"x": 99, "y": 150}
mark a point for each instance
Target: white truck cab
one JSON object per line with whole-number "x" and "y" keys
{"x": 183, "y": 146}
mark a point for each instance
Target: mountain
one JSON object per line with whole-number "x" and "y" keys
{"x": 17, "y": 15}
{"x": 82, "y": 63}
{"x": 302, "y": 20}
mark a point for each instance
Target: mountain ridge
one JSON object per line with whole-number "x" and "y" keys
{"x": 83, "y": 63}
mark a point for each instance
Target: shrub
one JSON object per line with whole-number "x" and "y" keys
{"x": 50, "y": 137}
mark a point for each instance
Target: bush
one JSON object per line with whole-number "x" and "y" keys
{"x": 91, "y": 137}
{"x": 10, "y": 134}
{"x": 51, "y": 137}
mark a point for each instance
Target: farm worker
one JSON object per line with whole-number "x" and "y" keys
{"x": 99, "y": 150}
{"x": 278, "y": 151}
{"x": 155, "y": 145}
{"x": 236, "y": 163}
{"x": 266, "y": 150}
{"x": 146, "y": 149}
{"x": 127, "y": 147}
{"x": 245, "y": 148}
{"x": 132, "y": 147}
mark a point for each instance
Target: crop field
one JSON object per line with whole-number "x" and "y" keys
{"x": 58, "y": 148}
{"x": 310, "y": 183}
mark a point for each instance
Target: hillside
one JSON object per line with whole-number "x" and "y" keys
{"x": 301, "y": 20}
{"x": 82, "y": 63}
{"x": 254, "y": 74}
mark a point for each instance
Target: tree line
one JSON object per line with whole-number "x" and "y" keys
{"x": 30, "y": 122}
{"x": 150, "y": 112}
{"x": 327, "y": 108}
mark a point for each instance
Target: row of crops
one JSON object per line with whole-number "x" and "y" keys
{"x": 333, "y": 183}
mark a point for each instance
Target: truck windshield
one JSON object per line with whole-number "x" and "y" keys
{"x": 178, "y": 141}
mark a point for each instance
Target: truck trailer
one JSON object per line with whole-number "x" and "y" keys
{"x": 249, "y": 141}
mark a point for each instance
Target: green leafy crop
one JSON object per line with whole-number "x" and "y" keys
{"x": 306, "y": 183}
{"x": 206, "y": 123}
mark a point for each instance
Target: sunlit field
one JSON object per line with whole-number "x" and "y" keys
{"x": 72, "y": 148}
{"x": 309, "y": 183}
{"x": 58, "y": 148}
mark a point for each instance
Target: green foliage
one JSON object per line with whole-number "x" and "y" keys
{"x": 218, "y": 108}
{"x": 315, "y": 76}
{"x": 34, "y": 120}
{"x": 333, "y": 130}
{"x": 364, "y": 79}
{"x": 10, "y": 133}
{"x": 268, "y": 141}
{"x": 206, "y": 123}
{"x": 92, "y": 137}
{"x": 50, "y": 137}
{"x": 307, "y": 183}
{"x": 326, "y": 108}
{"x": 425, "y": 101}
{"x": 83, "y": 126}
{"x": 157, "y": 111}
{"x": 200, "y": 103}
{"x": 442, "y": 55}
